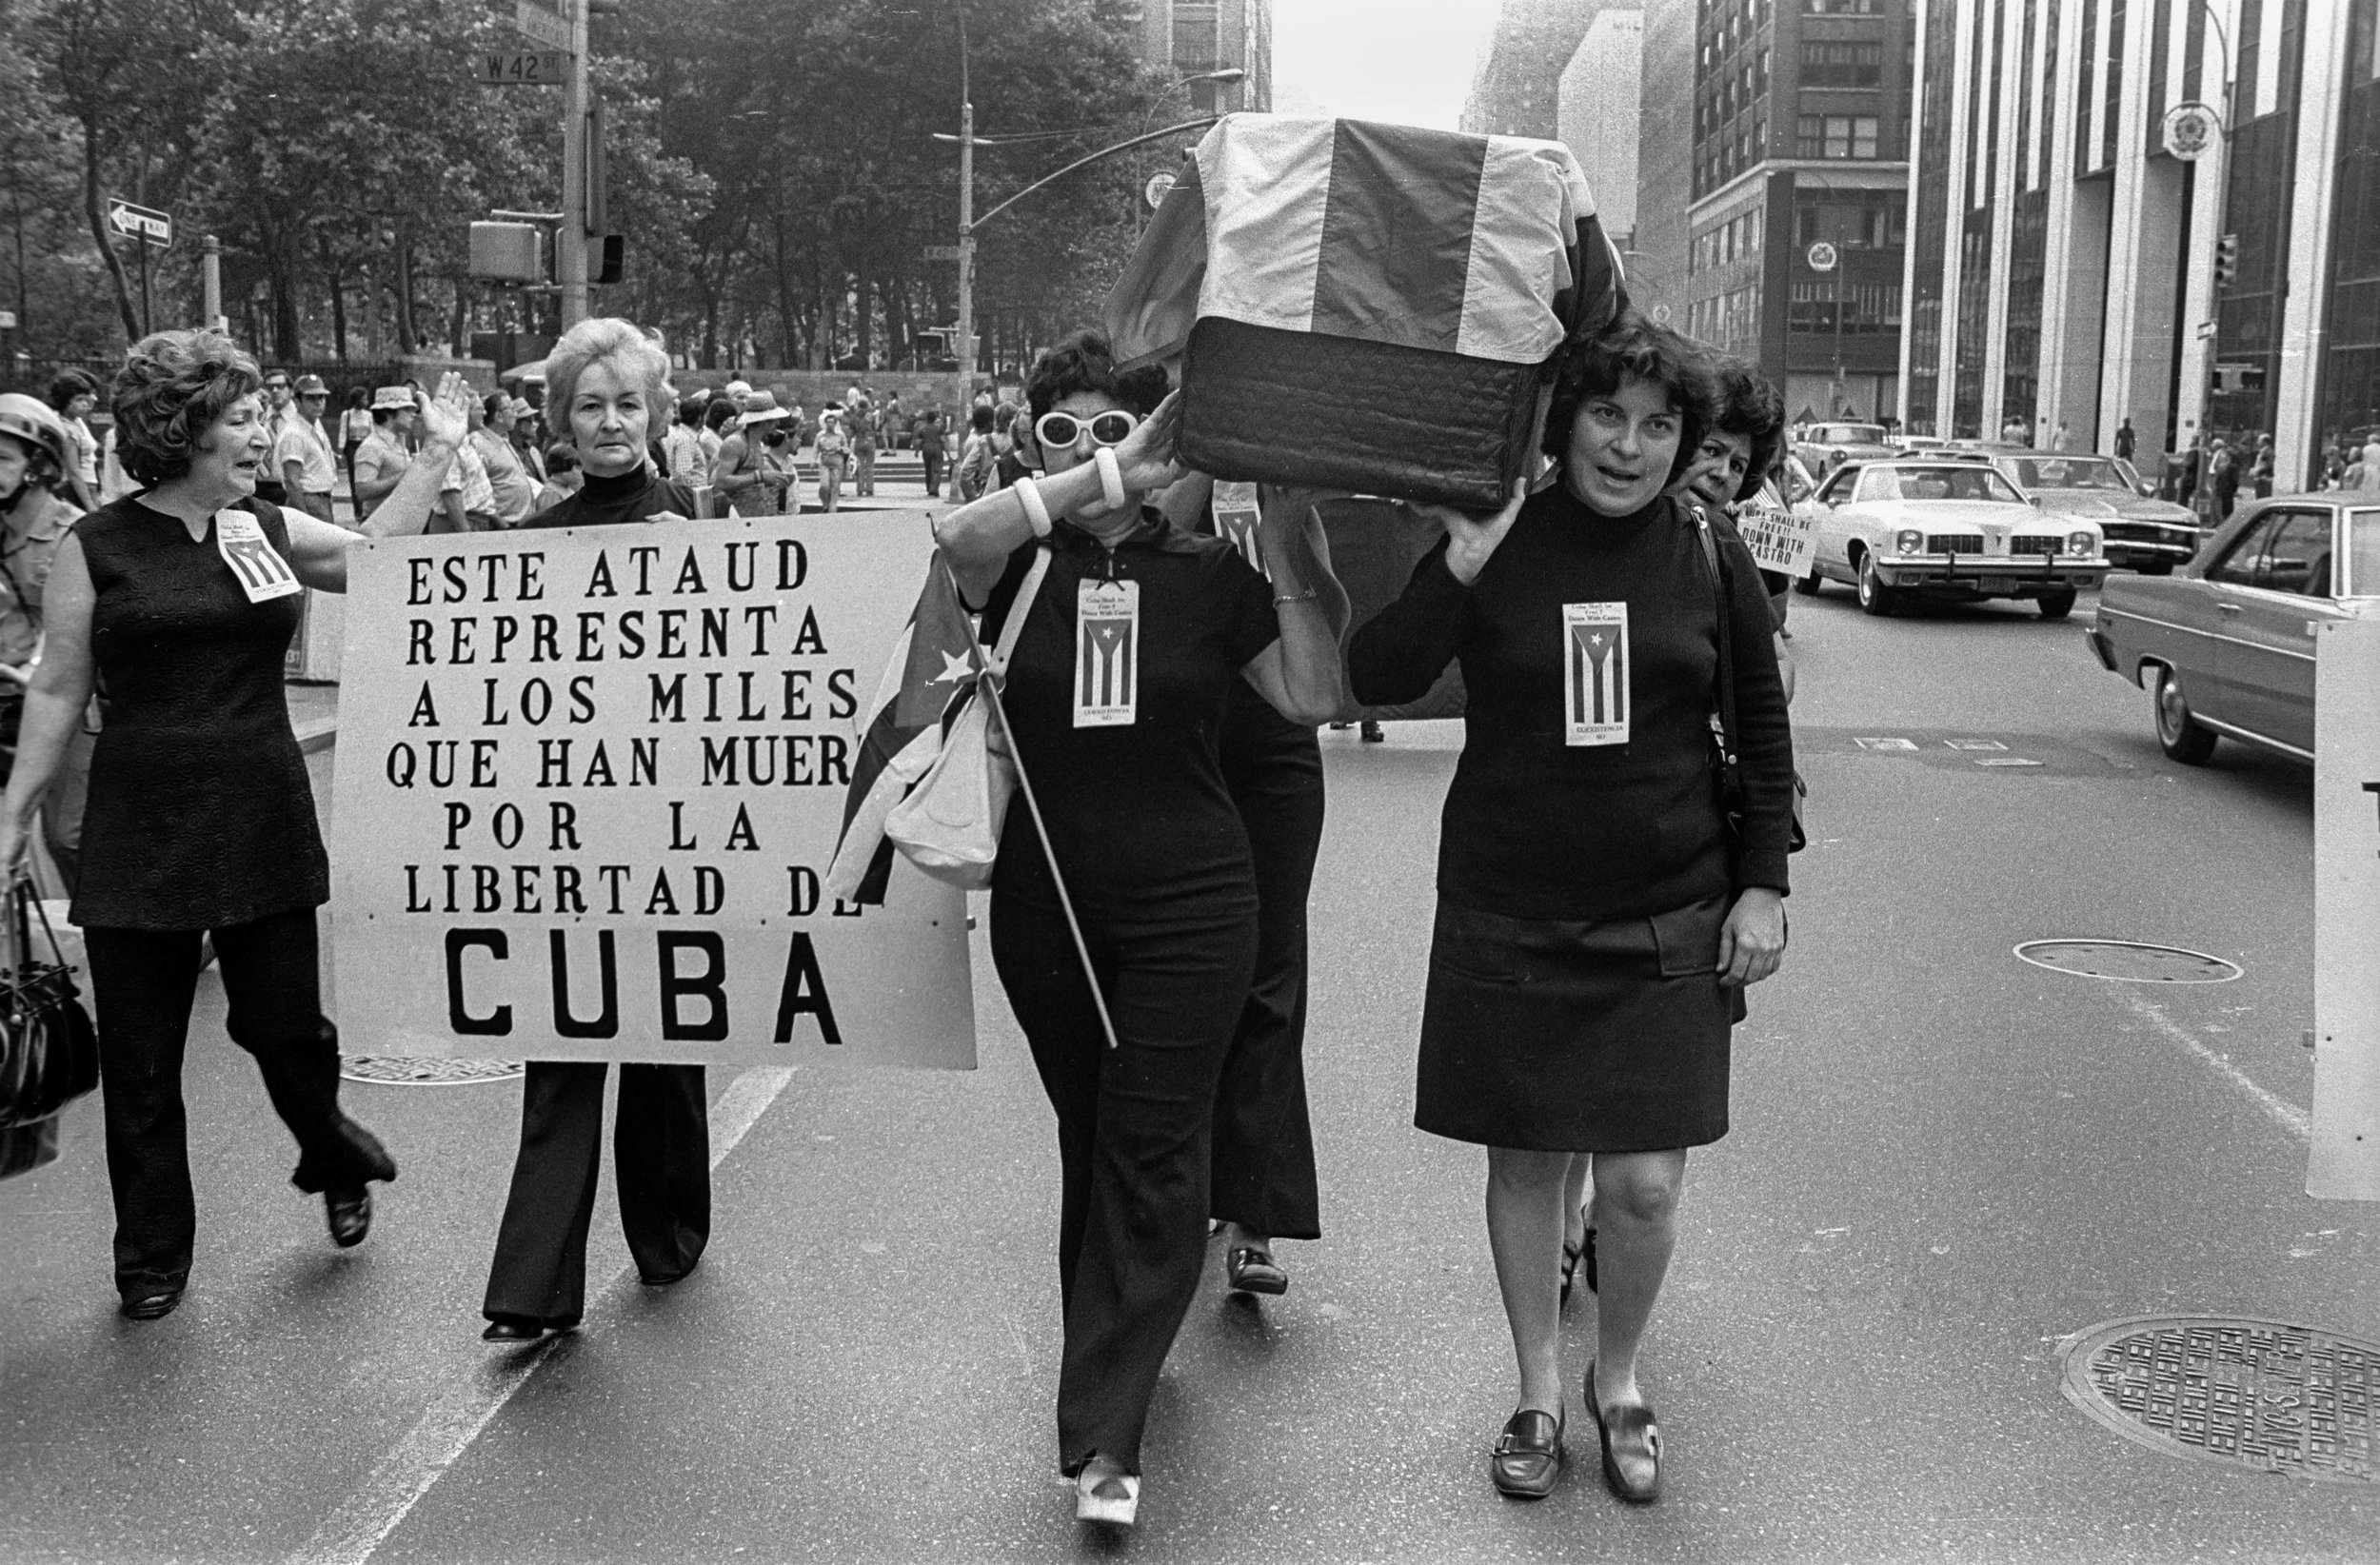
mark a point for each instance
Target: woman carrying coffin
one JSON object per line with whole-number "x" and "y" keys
{"x": 1152, "y": 854}
{"x": 1595, "y": 925}
{"x": 183, "y": 597}
{"x": 608, "y": 387}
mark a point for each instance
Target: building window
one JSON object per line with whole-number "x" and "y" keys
{"x": 1835, "y": 136}
{"x": 1841, "y": 63}
{"x": 1840, "y": 8}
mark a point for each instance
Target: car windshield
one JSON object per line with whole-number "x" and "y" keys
{"x": 2363, "y": 554}
{"x": 1848, "y": 434}
{"x": 2065, "y": 473}
{"x": 1945, "y": 483}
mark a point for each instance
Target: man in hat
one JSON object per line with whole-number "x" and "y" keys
{"x": 834, "y": 454}
{"x": 382, "y": 460}
{"x": 302, "y": 454}
{"x": 277, "y": 416}
{"x": 750, "y": 474}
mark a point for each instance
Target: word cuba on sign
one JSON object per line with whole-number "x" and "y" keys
{"x": 588, "y": 782}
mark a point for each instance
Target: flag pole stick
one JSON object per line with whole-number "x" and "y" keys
{"x": 987, "y": 682}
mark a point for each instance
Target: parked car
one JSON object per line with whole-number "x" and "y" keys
{"x": 1944, "y": 529}
{"x": 2144, "y": 533}
{"x": 2228, "y": 641}
{"x": 1826, "y": 446}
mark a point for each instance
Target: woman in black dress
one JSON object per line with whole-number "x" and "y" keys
{"x": 607, "y": 386}
{"x": 1595, "y": 925}
{"x": 182, "y": 598}
{"x": 1134, "y": 637}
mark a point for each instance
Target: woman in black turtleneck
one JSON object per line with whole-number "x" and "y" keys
{"x": 611, "y": 388}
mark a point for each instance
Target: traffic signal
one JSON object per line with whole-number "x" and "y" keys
{"x": 597, "y": 171}
{"x": 507, "y": 253}
{"x": 606, "y": 258}
{"x": 2225, "y": 262}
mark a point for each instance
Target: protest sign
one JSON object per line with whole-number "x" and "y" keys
{"x": 589, "y": 780}
{"x": 1779, "y": 540}
{"x": 2344, "y": 1158}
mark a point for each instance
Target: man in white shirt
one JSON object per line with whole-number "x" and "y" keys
{"x": 513, "y": 493}
{"x": 277, "y": 416}
{"x": 301, "y": 452}
{"x": 382, "y": 460}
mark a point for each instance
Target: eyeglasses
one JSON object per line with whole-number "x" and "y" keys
{"x": 1060, "y": 430}
{"x": 276, "y": 385}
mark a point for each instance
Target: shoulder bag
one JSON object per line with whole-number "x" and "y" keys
{"x": 949, "y": 824}
{"x": 49, "y": 1054}
{"x": 1729, "y": 764}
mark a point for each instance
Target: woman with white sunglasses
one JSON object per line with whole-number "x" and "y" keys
{"x": 1135, "y": 635}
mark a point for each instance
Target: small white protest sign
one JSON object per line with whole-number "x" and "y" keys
{"x": 2343, "y": 1162}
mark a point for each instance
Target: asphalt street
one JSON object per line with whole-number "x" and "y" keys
{"x": 1944, "y": 1161}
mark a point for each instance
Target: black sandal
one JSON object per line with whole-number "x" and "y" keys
{"x": 1630, "y": 1426}
{"x": 1571, "y": 1257}
{"x": 1249, "y": 1270}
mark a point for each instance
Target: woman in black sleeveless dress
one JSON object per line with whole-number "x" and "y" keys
{"x": 183, "y": 598}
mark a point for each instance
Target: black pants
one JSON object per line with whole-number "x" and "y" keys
{"x": 142, "y": 984}
{"x": 1134, "y": 1124}
{"x": 661, "y": 1136}
{"x": 933, "y": 459}
{"x": 1264, "y": 1176}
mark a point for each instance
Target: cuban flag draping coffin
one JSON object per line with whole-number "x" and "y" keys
{"x": 1365, "y": 308}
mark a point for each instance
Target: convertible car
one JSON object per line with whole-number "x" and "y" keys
{"x": 1945, "y": 529}
{"x": 2228, "y": 641}
{"x": 2143, "y": 534}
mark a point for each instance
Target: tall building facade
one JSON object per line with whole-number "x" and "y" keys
{"x": 1797, "y": 181}
{"x": 1191, "y": 37}
{"x": 1655, "y": 261}
{"x": 1515, "y": 83}
{"x": 1597, "y": 114}
{"x": 2063, "y": 274}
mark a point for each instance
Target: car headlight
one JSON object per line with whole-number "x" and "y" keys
{"x": 1908, "y": 541}
{"x": 2082, "y": 544}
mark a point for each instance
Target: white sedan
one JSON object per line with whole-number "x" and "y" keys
{"x": 1945, "y": 529}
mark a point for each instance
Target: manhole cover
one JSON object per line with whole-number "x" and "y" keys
{"x": 2128, "y": 961}
{"x": 403, "y": 1071}
{"x": 2258, "y": 1394}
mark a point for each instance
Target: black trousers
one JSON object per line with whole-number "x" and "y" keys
{"x": 142, "y": 984}
{"x": 1263, "y": 1168}
{"x": 933, "y": 459}
{"x": 661, "y": 1136}
{"x": 1134, "y": 1124}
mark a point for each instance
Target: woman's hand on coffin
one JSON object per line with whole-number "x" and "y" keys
{"x": 1146, "y": 461}
{"x": 1471, "y": 538}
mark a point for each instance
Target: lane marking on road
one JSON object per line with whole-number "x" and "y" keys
{"x": 446, "y": 1429}
{"x": 2280, "y": 1110}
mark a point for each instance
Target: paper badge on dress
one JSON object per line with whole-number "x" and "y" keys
{"x": 1237, "y": 512}
{"x": 1106, "y": 654}
{"x": 1595, "y": 673}
{"x": 262, "y": 574}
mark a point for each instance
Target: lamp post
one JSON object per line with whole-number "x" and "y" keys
{"x": 1225, "y": 77}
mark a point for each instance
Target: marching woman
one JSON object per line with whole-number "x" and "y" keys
{"x": 183, "y": 597}
{"x": 607, "y": 386}
{"x": 1135, "y": 635}
{"x": 1595, "y": 922}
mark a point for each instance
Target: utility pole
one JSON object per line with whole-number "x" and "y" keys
{"x": 570, "y": 243}
{"x": 964, "y": 348}
{"x": 211, "y": 283}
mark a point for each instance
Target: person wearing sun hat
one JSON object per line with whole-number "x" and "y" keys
{"x": 382, "y": 460}
{"x": 747, "y": 474}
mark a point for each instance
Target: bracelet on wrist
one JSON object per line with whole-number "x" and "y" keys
{"x": 1309, "y": 595}
{"x": 1036, "y": 509}
{"x": 1111, "y": 477}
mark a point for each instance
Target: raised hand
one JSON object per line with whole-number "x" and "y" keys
{"x": 1471, "y": 538}
{"x": 1146, "y": 460}
{"x": 443, "y": 419}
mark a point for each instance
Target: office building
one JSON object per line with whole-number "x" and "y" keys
{"x": 1515, "y": 83}
{"x": 2064, "y": 270}
{"x": 1597, "y": 114}
{"x": 1798, "y": 184}
{"x": 1656, "y": 260}
{"x": 1191, "y": 37}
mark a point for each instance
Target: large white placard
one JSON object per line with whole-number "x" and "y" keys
{"x": 589, "y": 780}
{"x": 2344, "y": 1160}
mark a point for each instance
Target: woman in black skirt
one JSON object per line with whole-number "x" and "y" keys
{"x": 1132, "y": 644}
{"x": 1596, "y": 925}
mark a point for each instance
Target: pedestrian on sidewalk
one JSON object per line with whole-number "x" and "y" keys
{"x": 72, "y": 395}
{"x": 201, "y": 821}
{"x": 512, "y": 492}
{"x": 688, "y": 462}
{"x": 930, "y": 436}
{"x": 833, "y": 456}
{"x": 2124, "y": 438}
{"x": 34, "y": 517}
{"x": 280, "y": 411}
{"x": 1154, "y": 858}
{"x": 2223, "y": 476}
{"x": 355, "y": 427}
{"x": 863, "y": 422}
{"x": 607, "y": 384}
{"x": 384, "y": 459}
{"x": 751, "y": 474}
{"x": 1595, "y": 922}
{"x": 300, "y": 453}
{"x": 979, "y": 460}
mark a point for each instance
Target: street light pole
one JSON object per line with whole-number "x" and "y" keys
{"x": 1222, "y": 78}
{"x": 963, "y": 349}
{"x": 571, "y": 239}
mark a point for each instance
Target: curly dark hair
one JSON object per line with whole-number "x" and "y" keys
{"x": 174, "y": 388}
{"x": 71, "y": 384}
{"x": 1631, "y": 345}
{"x": 1085, "y": 363}
{"x": 1751, "y": 405}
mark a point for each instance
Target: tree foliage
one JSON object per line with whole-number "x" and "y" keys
{"x": 772, "y": 168}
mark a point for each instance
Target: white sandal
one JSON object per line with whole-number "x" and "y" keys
{"x": 1102, "y": 1492}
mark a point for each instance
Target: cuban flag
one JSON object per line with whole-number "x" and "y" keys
{"x": 1595, "y": 677}
{"x": 902, "y": 733}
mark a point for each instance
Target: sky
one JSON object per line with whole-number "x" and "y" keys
{"x": 1401, "y": 60}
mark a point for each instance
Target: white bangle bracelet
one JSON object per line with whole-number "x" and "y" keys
{"x": 1036, "y": 510}
{"x": 1111, "y": 477}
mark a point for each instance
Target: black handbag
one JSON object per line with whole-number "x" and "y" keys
{"x": 1730, "y": 765}
{"x": 48, "y": 1052}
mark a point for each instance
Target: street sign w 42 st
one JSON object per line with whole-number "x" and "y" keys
{"x": 519, "y": 67}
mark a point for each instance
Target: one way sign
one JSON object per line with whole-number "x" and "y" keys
{"x": 146, "y": 223}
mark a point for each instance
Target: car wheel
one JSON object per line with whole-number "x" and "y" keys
{"x": 1808, "y": 585}
{"x": 2178, "y": 733}
{"x": 1874, "y": 597}
{"x": 2056, "y": 606}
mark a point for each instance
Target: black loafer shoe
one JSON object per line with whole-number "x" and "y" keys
{"x": 152, "y": 1306}
{"x": 513, "y": 1328}
{"x": 350, "y": 1213}
{"x": 1253, "y": 1271}
{"x": 1528, "y": 1458}
{"x": 1628, "y": 1428}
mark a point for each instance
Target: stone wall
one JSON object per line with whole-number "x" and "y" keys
{"x": 814, "y": 388}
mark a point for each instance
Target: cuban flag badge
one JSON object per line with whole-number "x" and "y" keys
{"x": 1595, "y": 673}
{"x": 1106, "y": 654}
